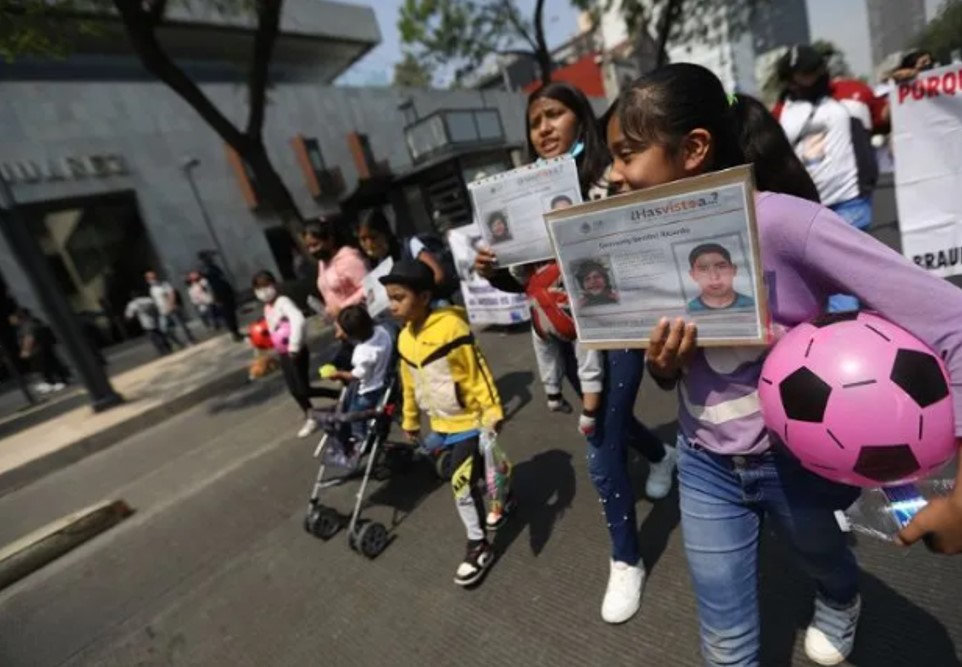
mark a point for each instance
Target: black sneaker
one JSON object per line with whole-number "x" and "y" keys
{"x": 477, "y": 560}
{"x": 557, "y": 403}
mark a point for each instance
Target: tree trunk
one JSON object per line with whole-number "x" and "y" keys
{"x": 270, "y": 185}
{"x": 542, "y": 54}
{"x": 141, "y": 25}
{"x": 672, "y": 11}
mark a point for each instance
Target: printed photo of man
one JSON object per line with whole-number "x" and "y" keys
{"x": 714, "y": 272}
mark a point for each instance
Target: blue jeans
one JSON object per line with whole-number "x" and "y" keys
{"x": 617, "y": 429}
{"x": 359, "y": 402}
{"x": 858, "y": 213}
{"x": 723, "y": 502}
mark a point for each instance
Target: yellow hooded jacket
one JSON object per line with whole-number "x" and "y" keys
{"x": 444, "y": 373}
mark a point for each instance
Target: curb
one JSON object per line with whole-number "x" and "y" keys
{"x": 33, "y": 551}
{"x": 31, "y": 471}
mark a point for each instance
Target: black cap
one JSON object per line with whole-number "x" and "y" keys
{"x": 802, "y": 59}
{"x": 410, "y": 273}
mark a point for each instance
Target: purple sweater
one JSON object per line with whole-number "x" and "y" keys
{"x": 809, "y": 253}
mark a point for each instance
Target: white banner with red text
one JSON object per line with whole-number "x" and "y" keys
{"x": 927, "y": 143}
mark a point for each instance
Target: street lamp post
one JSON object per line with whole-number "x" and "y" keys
{"x": 61, "y": 317}
{"x": 189, "y": 164}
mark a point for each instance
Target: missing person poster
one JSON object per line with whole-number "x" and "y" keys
{"x": 509, "y": 208}
{"x": 484, "y": 303}
{"x": 687, "y": 249}
{"x": 926, "y": 138}
{"x": 375, "y": 296}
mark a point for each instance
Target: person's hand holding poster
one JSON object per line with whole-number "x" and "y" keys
{"x": 510, "y": 208}
{"x": 688, "y": 249}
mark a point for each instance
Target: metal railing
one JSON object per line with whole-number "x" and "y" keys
{"x": 449, "y": 129}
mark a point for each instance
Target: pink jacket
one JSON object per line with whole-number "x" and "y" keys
{"x": 341, "y": 281}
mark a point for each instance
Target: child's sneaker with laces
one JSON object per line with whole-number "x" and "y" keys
{"x": 831, "y": 635}
{"x": 660, "y": 475}
{"x": 478, "y": 558}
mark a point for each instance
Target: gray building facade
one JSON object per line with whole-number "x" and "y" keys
{"x": 892, "y": 25}
{"x": 95, "y": 150}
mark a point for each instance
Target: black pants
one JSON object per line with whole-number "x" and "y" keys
{"x": 467, "y": 470}
{"x": 227, "y": 304}
{"x": 49, "y": 365}
{"x": 296, "y": 369}
{"x": 160, "y": 341}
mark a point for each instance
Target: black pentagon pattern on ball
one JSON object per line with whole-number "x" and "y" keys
{"x": 886, "y": 463}
{"x": 828, "y": 319}
{"x": 919, "y": 376}
{"x": 804, "y": 396}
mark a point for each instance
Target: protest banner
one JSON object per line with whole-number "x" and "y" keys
{"x": 509, "y": 207}
{"x": 927, "y": 145}
{"x": 686, "y": 249}
{"x": 484, "y": 303}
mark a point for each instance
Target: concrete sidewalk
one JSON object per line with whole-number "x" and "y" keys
{"x": 154, "y": 391}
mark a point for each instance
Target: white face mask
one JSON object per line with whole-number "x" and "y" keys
{"x": 266, "y": 294}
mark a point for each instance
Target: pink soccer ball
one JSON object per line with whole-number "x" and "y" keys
{"x": 859, "y": 400}
{"x": 281, "y": 336}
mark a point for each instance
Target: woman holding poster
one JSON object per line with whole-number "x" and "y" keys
{"x": 560, "y": 121}
{"x": 677, "y": 122}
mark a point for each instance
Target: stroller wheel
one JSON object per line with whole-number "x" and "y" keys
{"x": 442, "y": 464}
{"x": 371, "y": 539}
{"x": 322, "y": 522}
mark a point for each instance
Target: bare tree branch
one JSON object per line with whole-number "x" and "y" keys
{"x": 268, "y": 26}
{"x": 143, "y": 40}
{"x": 512, "y": 13}
{"x": 541, "y": 49}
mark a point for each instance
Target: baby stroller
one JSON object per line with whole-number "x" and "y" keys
{"x": 367, "y": 537}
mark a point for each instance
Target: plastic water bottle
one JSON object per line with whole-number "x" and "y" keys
{"x": 882, "y": 513}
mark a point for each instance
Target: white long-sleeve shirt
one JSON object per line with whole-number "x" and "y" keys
{"x": 285, "y": 310}
{"x": 370, "y": 360}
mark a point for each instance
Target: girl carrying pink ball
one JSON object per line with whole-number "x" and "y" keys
{"x": 677, "y": 122}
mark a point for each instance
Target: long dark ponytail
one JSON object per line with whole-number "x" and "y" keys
{"x": 594, "y": 159}
{"x": 777, "y": 167}
{"x": 665, "y": 105}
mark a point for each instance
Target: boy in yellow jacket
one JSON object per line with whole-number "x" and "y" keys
{"x": 444, "y": 374}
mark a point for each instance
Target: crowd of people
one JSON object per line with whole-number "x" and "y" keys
{"x": 813, "y": 204}
{"x": 815, "y": 174}
{"x": 160, "y": 312}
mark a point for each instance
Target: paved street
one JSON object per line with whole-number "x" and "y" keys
{"x": 215, "y": 569}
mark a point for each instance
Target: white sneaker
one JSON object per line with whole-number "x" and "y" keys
{"x": 309, "y": 427}
{"x": 660, "y": 475}
{"x": 623, "y": 595}
{"x": 59, "y": 386}
{"x": 43, "y": 388}
{"x": 831, "y": 635}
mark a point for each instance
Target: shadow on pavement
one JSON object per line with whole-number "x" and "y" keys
{"x": 665, "y": 515}
{"x": 544, "y": 487}
{"x": 50, "y": 408}
{"x": 254, "y": 393}
{"x": 404, "y": 489}
{"x": 515, "y": 391}
{"x": 893, "y": 631}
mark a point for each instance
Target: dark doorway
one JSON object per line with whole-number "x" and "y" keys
{"x": 99, "y": 250}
